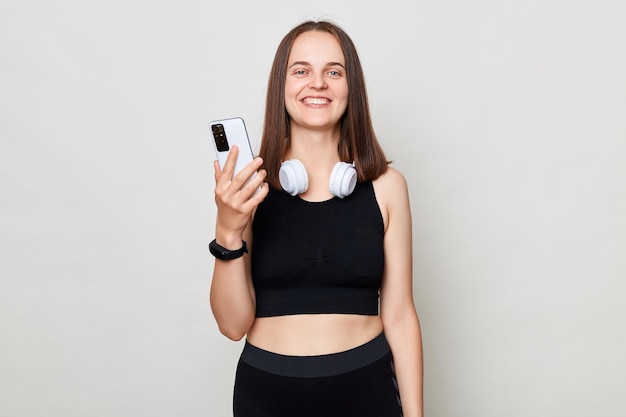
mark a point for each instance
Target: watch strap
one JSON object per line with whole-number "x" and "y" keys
{"x": 224, "y": 254}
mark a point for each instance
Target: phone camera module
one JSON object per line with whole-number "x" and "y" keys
{"x": 219, "y": 135}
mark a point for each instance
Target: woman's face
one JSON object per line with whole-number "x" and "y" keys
{"x": 316, "y": 88}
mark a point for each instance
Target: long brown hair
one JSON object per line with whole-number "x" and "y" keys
{"x": 357, "y": 140}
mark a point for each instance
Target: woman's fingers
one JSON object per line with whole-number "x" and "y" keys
{"x": 244, "y": 176}
{"x": 255, "y": 190}
{"x": 227, "y": 172}
{"x": 229, "y": 165}
{"x": 236, "y": 191}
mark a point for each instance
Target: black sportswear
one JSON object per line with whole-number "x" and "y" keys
{"x": 357, "y": 382}
{"x": 318, "y": 257}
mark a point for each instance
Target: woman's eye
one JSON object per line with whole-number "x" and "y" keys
{"x": 300, "y": 72}
{"x": 334, "y": 73}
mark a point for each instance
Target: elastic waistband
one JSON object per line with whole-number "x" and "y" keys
{"x": 316, "y": 366}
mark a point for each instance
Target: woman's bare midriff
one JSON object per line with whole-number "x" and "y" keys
{"x": 313, "y": 334}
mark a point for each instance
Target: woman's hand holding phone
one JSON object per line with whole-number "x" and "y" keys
{"x": 236, "y": 196}
{"x": 239, "y": 186}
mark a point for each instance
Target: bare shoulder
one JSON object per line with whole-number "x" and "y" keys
{"x": 391, "y": 186}
{"x": 391, "y": 193}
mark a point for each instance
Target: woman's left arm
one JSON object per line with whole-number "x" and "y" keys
{"x": 398, "y": 314}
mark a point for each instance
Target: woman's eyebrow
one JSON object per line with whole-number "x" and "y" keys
{"x": 329, "y": 64}
{"x": 336, "y": 64}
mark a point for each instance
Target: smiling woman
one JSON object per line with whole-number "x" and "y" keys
{"x": 320, "y": 341}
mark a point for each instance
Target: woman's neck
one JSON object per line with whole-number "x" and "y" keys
{"x": 306, "y": 144}
{"x": 319, "y": 153}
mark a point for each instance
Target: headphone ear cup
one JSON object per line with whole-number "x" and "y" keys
{"x": 342, "y": 179}
{"x": 293, "y": 177}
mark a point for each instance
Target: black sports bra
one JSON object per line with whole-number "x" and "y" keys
{"x": 318, "y": 257}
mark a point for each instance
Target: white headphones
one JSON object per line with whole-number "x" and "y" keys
{"x": 294, "y": 179}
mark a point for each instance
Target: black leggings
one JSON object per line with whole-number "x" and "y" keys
{"x": 359, "y": 382}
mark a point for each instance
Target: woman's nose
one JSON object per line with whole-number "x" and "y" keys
{"x": 318, "y": 82}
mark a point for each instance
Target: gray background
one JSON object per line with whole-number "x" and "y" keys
{"x": 507, "y": 118}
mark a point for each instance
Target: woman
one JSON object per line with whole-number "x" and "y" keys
{"x": 305, "y": 288}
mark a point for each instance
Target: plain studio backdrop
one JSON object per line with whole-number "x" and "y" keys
{"x": 507, "y": 118}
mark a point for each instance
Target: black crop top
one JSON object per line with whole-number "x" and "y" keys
{"x": 318, "y": 257}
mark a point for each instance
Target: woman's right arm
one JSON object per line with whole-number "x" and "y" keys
{"x": 232, "y": 294}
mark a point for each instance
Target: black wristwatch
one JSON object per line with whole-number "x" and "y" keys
{"x": 224, "y": 254}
